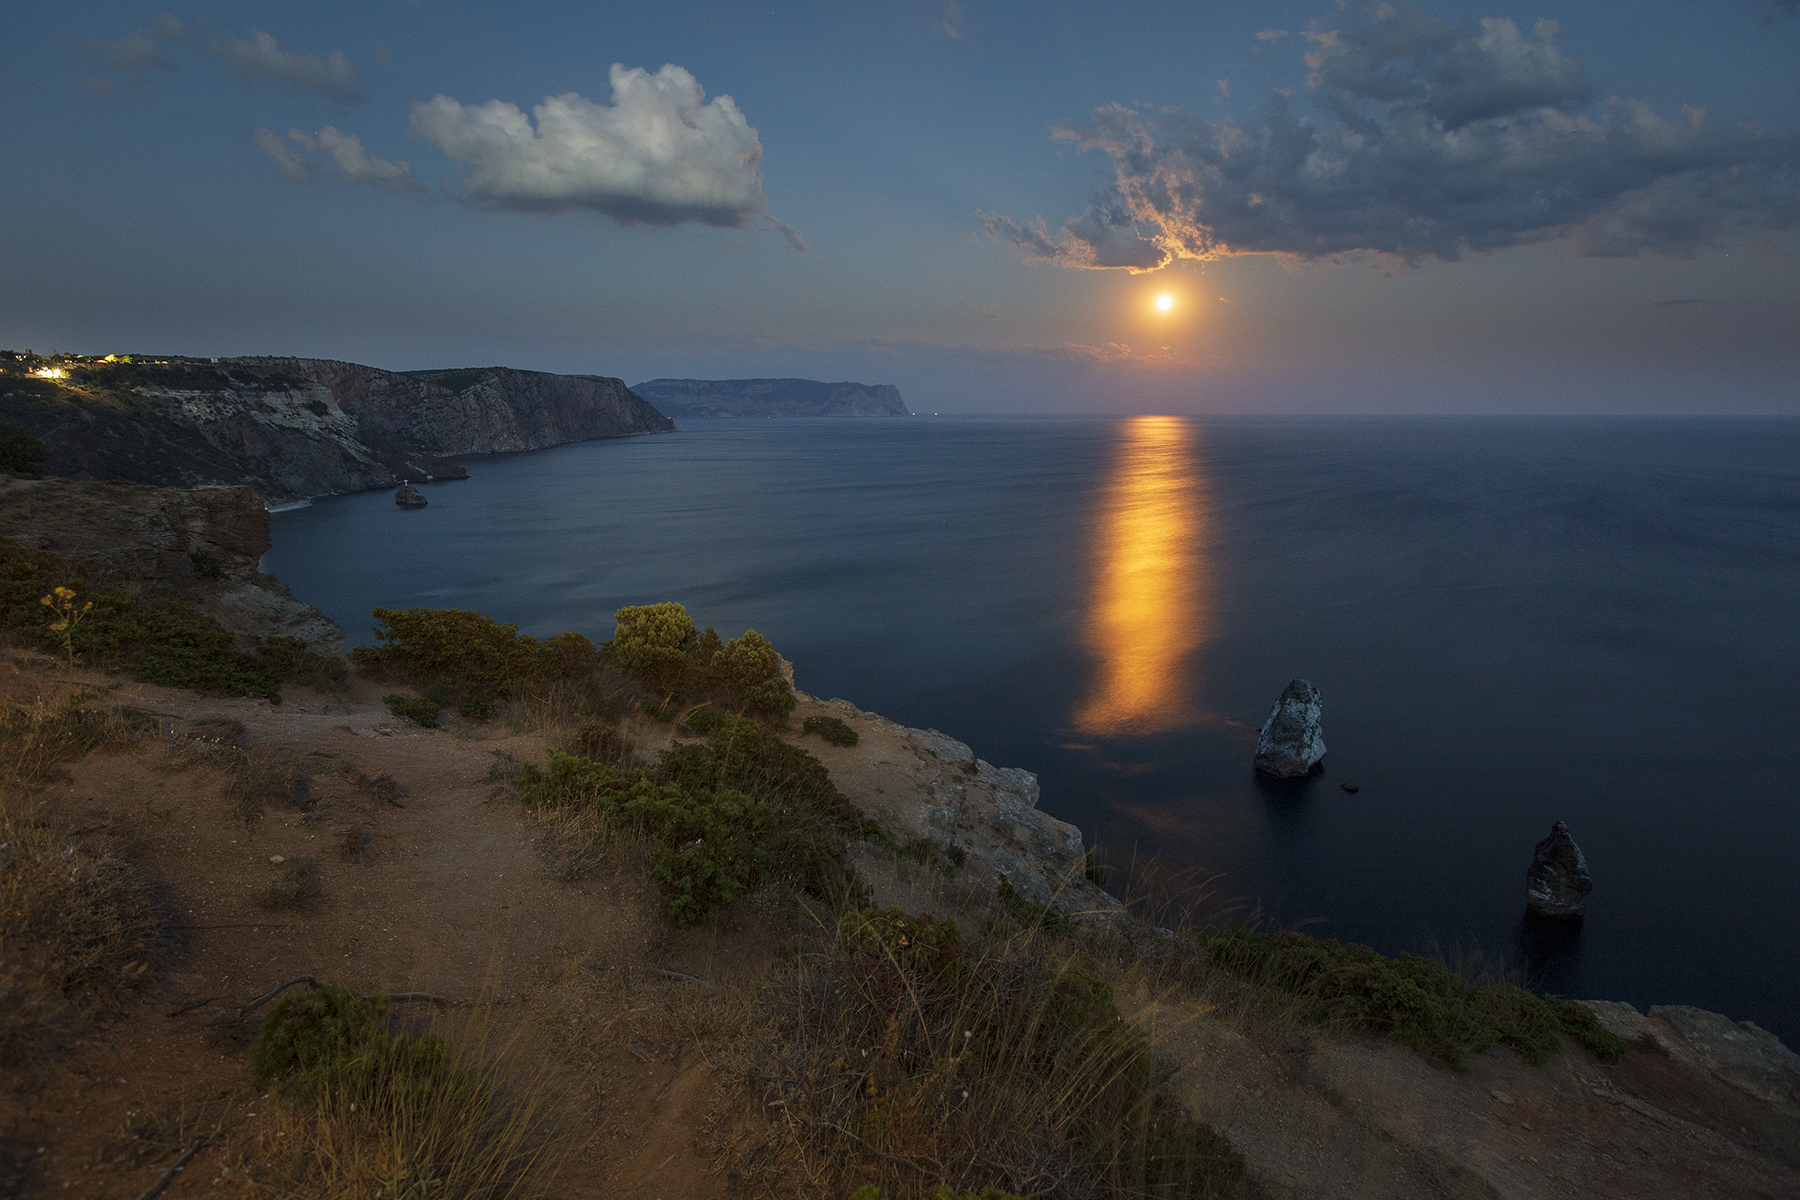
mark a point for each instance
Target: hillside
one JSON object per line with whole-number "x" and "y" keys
{"x": 298, "y": 427}
{"x": 772, "y": 398}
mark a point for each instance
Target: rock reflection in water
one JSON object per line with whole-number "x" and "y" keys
{"x": 1148, "y": 612}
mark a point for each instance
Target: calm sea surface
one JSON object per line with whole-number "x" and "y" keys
{"x": 1511, "y": 622}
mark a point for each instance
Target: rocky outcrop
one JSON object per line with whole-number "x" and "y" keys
{"x": 297, "y": 427}
{"x": 1557, "y": 885}
{"x": 199, "y": 545}
{"x": 772, "y": 398}
{"x": 409, "y": 496}
{"x": 980, "y": 823}
{"x": 1290, "y": 743}
{"x": 1740, "y": 1053}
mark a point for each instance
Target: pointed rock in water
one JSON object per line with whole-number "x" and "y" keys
{"x": 408, "y": 497}
{"x": 1558, "y": 883}
{"x": 1291, "y": 743}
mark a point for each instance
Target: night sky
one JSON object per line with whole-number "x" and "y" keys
{"x": 1582, "y": 206}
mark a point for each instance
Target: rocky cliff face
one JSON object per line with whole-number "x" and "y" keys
{"x": 772, "y": 398}
{"x": 200, "y": 545}
{"x": 297, "y": 427}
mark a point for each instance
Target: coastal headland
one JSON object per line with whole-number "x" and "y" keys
{"x": 239, "y": 843}
{"x": 298, "y": 427}
{"x": 772, "y": 398}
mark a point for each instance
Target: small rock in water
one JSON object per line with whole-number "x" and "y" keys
{"x": 1349, "y": 786}
{"x": 1558, "y": 883}
{"x": 1290, "y": 743}
{"x": 408, "y": 497}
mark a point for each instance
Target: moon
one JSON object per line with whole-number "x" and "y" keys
{"x": 1165, "y": 302}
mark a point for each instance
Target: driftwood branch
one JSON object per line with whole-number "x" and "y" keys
{"x": 284, "y": 985}
{"x": 188, "y": 1008}
{"x": 682, "y": 977}
{"x": 168, "y": 1176}
{"x": 313, "y": 981}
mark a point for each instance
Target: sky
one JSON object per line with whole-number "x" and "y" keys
{"x": 1575, "y": 207}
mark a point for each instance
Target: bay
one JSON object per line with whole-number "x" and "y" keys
{"x": 1512, "y": 621}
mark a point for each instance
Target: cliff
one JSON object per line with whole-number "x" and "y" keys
{"x": 772, "y": 398}
{"x": 297, "y": 427}
{"x": 201, "y": 546}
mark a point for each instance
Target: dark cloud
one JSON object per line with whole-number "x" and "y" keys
{"x": 1439, "y": 141}
{"x": 260, "y": 56}
{"x": 659, "y": 154}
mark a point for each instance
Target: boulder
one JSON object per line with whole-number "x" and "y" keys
{"x": 1291, "y": 744}
{"x": 1558, "y": 883}
{"x": 408, "y": 497}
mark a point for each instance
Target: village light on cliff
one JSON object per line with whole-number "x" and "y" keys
{"x": 49, "y": 372}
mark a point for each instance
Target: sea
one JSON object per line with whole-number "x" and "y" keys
{"x": 1511, "y": 622}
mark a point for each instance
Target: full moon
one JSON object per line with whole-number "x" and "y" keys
{"x": 1165, "y": 302}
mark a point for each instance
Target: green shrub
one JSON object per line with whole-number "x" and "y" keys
{"x": 419, "y": 710}
{"x": 20, "y": 451}
{"x": 1411, "y": 999}
{"x": 326, "y": 1042}
{"x": 831, "y": 729}
{"x": 455, "y": 652}
{"x": 657, "y": 647}
{"x": 722, "y": 818}
{"x": 158, "y": 641}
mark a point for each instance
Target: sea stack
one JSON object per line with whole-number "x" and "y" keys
{"x": 1558, "y": 883}
{"x": 408, "y": 497}
{"x": 1291, "y": 743}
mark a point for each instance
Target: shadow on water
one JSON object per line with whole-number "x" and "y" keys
{"x": 1551, "y": 948}
{"x": 1288, "y": 804}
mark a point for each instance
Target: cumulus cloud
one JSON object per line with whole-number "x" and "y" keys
{"x": 338, "y": 152}
{"x": 260, "y": 56}
{"x": 1437, "y": 141}
{"x": 660, "y": 153}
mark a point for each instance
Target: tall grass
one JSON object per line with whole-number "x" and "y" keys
{"x": 905, "y": 1059}
{"x": 441, "y": 1109}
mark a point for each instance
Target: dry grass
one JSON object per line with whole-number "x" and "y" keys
{"x": 487, "y": 1129}
{"x": 895, "y": 1055}
{"x": 75, "y": 934}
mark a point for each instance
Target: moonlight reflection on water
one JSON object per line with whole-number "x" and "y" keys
{"x": 1149, "y": 607}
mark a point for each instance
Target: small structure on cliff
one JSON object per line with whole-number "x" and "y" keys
{"x": 1558, "y": 883}
{"x": 1291, "y": 743}
{"x": 409, "y": 496}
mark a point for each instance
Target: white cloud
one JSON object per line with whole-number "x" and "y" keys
{"x": 292, "y": 167}
{"x": 660, "y": 154}
{"x": 1440, "y": 141}
{"x": 342, "y": 153}
{"x": 260, "y": 56}
{"x": 134, "y": 55}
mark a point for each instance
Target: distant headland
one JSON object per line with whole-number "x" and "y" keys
{"x": 298, "y": 427}
{"x": 772, "y": 398}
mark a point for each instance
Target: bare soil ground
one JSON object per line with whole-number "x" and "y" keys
{"x": 430, "y": 877}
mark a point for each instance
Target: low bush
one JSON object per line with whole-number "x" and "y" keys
{"x": 831, "y": 729}
{"x": 20, "y": 451}
{"x": 455, "y": 653}
{"x": 657, "y": 646}
{"x": 158, "y": 641}
{"x": 1411, "y": 999}
{"x": 417, "y": 709}
{"x": 722, "y": 818}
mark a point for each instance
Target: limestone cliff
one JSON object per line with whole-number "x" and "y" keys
{"x": 297, "y": 427}
{"x": 772, "y": 398}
